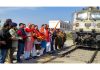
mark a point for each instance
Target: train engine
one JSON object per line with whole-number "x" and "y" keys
{"x": 86, "y": 27}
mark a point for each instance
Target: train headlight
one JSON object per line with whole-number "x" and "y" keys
{"x": 77, "y": 24}
{"x": 87, "y": 24}
{"x": 98, "y": 37}
{"x": 98, "y": 25}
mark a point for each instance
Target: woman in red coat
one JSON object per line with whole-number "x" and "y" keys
{"x": 29, "y": 41}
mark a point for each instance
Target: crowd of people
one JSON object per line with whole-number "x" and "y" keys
{"x": 28, "y": 41}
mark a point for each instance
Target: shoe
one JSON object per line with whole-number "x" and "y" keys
{"x": 19, "y": 61}
{"x": 27, "y": 58}
{"x": 38, "y": 55}
{"x": 34, "y": 57}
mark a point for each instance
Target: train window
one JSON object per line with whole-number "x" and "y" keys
{"x": 95, "y": 16}
{"x": 64, "y": 26}
{"x": 61, "y": 25}
{"x": 82, "y": 16}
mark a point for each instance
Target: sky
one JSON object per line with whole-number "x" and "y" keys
{"x": 37, "y": 15}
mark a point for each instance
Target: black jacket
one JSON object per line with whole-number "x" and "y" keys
{"x": 5, "y": 36}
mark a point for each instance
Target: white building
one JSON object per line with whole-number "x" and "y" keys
{"x": 59, "y": 24}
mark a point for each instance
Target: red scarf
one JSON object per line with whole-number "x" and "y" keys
{"x": 30, "y": 30}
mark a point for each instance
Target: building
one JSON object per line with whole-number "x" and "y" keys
{"x": 59, "y": 24}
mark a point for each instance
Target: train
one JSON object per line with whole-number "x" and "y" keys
{"x": 86, "y": 27}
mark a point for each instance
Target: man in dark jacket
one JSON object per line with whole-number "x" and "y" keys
{"x": 5, "y": 41}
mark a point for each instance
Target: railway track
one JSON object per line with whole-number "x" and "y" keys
{"x": 97, "y": 57}
{"x": 93, "y": 56}
{"x": 82, "y": 55}
{"x": 69, "y": 55}
{"x": 59, "y": 54}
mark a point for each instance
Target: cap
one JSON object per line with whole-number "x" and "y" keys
{"x": 13, "y": 24}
